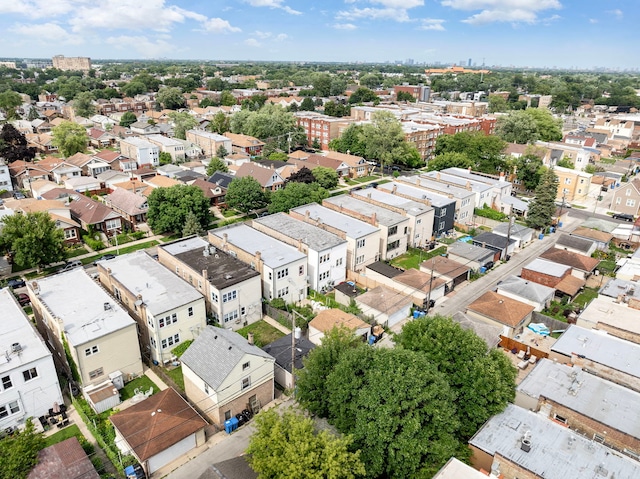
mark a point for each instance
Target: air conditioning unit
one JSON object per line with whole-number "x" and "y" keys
{"x": 238, "y": 321}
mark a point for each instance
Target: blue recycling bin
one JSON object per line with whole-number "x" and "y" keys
{"x": 541, "y": 236}
{"x": 231, "y": 425}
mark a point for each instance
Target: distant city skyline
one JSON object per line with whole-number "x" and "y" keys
{"x": 563, "y": 34}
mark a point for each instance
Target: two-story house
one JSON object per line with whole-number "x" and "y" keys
{"x": 168, "y": 145}
{"x": 283, "y": 268}
{"x": 209, "y": 142}
{"x": 232, "y": 290}
{"x": 28, "y": 381}
{"x": 144, "y": 152}
{"x": 167, "y": 309}
{"x": 269, "y": 179}
{"x": 83, "y": 324}
{"x": 131, "y": 206}
{"x": 626, "y": 199}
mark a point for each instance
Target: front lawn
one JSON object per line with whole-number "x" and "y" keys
{"x": 414, "y": 256}
{"x": 143, "y": 383}
{"x": 63, "y": 434}
{"x": 263, "y": 333}
{"x": 176, "y": 375}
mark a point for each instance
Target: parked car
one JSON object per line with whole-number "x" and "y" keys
{"x": 23, "y": 299}
{"x": 76, "y": 263}
{"x": 16, "y": 283}
{"x": 18, "y": 195}
{"x": 105, "y": 257}
{"x": 623, "y": 217}
{"x": 134, "y": 472}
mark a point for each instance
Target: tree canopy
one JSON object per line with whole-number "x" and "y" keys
{"x": 527, "y": 126}
{"x": 529, "y": 169}
{"x": 83, "y": 104}
{"x": 543, "y": 207}
{"x": 271, "y": 123}
{"x": 485, "y": 151}
{"x": 182, "y": 121}
{"x": 325, "y": 177}
{"x": 362, "y": 95}
{"x": 303, "y": 175}
{"x": 296, "y": 194}
{"x": 216, "y": 164}
{"x": 450, "y": 159}
{"x": 171, "y": 98}
{"x": 70, "y": 138}
{"x": 9, "y": 101}
{"x": 127, "y": 118}
{"x": 19, "y": 452}
{"x": 34, "y": 239}
{"x": 13, "y": 145}
{"x": 220, "y": 123}
{"x": 170, "y": 207}
{"x": 245, "y": 194}
{"x": 289, "y": 446}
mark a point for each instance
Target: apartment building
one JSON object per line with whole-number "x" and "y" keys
{"x": 209, "y": 142}
{"x": 71, "y": 63}
{"x": 573, "y": 185}
{"x": 423, "y": 137}
{"x": 484, "y": 195}
{"x": 142, "y": 151}
{"x": 168, "y": 145}
{"x": 578, "y": 155}
{"x": 501, "y": 187}
{"x": 320, "y": 128}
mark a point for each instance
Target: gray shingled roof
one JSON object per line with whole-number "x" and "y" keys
{"x": 573, "y": 242}
{"x": 526, "y": 289}
{"x": 215, "y": 353}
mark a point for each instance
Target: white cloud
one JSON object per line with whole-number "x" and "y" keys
{"x": 262, "y": 35}
{"x": 593, "y": 20}
{"x": 38, "y": 8}
{"x": 252, "y": 42}
{"x": 146, "y": 47}
{"x": 432, "y": 24}
{"x": 46, "y": 33}
{"x": 281, "y": 37}
{"x": 344, "y": 26}
{"x": 514, "y": 11}
{"x": 266, "y": 35}
{"x": 403, "y": 4}
{"x": 218, "y": 25}
{"x": 273, "y": 4}
{"x": 398, "y": 15}
{"x": 616, "y": 13}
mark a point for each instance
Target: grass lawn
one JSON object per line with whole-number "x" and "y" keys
{"x": 143, "y": 383}
{"x": 586, "y": 296}
{"x": 366, "y": 178}
{"x": 228, "y": 213}
{"x": 63, "y": 434}
{"x": 176, "y": 375}
{"x": 414, "y": 256}
{"x": 607, "y": 266}
{"x": 72, "y": 253}
{"x": 263, "y": 333}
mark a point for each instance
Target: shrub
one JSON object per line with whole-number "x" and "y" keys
{"x": 94, "y": 244}
{"x": 181, "y": 348}
{"x": 136, "y": 235}
{"x": 487, "y": 212}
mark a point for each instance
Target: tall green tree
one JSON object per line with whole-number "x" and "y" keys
{"x": 484, "y": 150}
{"x": 182, "y": 121}
{"x": 405, "y": 96}
{"x": 83, "y": 104}
{"x": 529, "y": 170}
{"x": 220, "y": 123}
{"x": 543, "y": 207}
{"x": 384, "y": 140}
{"x": 517, "y": 127}
{"x": 245, "y": 194}
{"x": 34, "y": 238}
{"x": 483, "y": 380}
{"x": 307, "y": 105}
{"x": 19, "y": 452}
{"x": 497, "y": 103}
{"x": 296, "y": 194}
{"x": 170, "y": 207}
{"x": 9, "y": 101}
{"x": 133, "y": 88}
{"x": 171, "y": 98}
{"x": 227, "y": 98}
{"x": 13, "y": 145}
{"x": 362, "y": 95}
{"x": 191, "y": 225}
{"x": 216, "y": 164}
{"x": 70, "y": 138}
{"x": 351, "y": 140}
{"x": 288, "y": 445}
{"x": 548, "y": 127}
{"x": 127, "y": 118}
{"x": 450, "y": 159}
{"x": 164, "y": 158}
{"x": 325, "y": 177}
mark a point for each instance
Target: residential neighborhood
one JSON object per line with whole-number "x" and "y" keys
{"x": 210, "y": 269}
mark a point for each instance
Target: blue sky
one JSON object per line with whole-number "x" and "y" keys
{"x": 562, "y": 33}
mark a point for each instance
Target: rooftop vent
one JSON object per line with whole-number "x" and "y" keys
{"x": 228, "y": 276}
{"x": 525, "y": 444}
{"x": 107, "y": 306}
{"x": 16, "y": 347}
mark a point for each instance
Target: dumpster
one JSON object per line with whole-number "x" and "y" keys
{"x": 541, "y": 236}
{"x": 231, "y": 425}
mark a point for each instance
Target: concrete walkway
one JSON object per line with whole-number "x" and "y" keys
{"x": 276, "y": 324}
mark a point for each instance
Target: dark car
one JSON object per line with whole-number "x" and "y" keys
{"x": 23, "y": 299}
{"x": 16, "y": 283}
{"x": 623, "y": 217}
{"x": 18, "y": 195}
{"x": 104, "y": 258}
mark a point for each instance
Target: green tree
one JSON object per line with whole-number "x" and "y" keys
{"x": 164, "y": 158}
{"x": 169, "y": 208}
{"x": 307, "y": 104}
{"x": 548, "y": 127}
{"x": 483, "y": 380}
{"x": 405, "y": 96}
{"x": 127, "y": 119}
{"x": 83, "y": 104}
{"x": 517, "y": 127}
{"x": 222, "y": 152}
{"x": 216, "y": 164}
{"x": 133, "y": 88}
{"x": 278, "y": 156}
{"x": 19, "y": 452}
{"x": 351, "y": 140}
{"x": 9, "y": 101}
{"x": 191, "y": 225}
{"x": 384, "y": 140}
{"x": 70, "y": 138}
{"x": 371, "y": 80}
{"x": 288, "y": 445}
{"x": 13, "y": 145}
{"x": 33, "y": 114}
{"x": 565, "y": 163}
{"x": 338, "y": 86}
{"x": 227, "y": 98}
{"x": 220, "y": 123}
{"x": 321, "y": 83}
{"x": 170, "y": 98}
{"x": 245, "y": 194}
{"x": 182, "y": 121}
{"x": 296, "y": 194}
{"x": 484, "y": 150}
{"x": 34, "y": 238}
{"x": 398, "y": 408}
{"x": 529, "y": 170}
{"x": 543, "y": 207}
{"x": 497, "y": 103}
{"x": 450, "y": 159}
{"x": 326, "y": 177}
{"x": 362, "y": 95}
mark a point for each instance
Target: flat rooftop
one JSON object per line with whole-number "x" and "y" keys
{"x": 352, "y": 227}
{"x": 589, "y": 395}
{"x": 601, "y": 348}
{"x": 547, "y": 267}
{"x": 223, "y": 270}
{"x": 440, "y": 177}
{"x": 417, "y": 193}
{"x": 313, "y": 236}
{"x": 556, "y": 451}
{"x": 161, "y": 289}
{"x": 411, "y": 207}
{"x": 15, "y": 328}
{"x": 81, "y": 304}
{"x": 470, "y": 175}
{"x": 442, "y": 188}
{"x": 273, "y": 252}
{"x": 384, "y": 216}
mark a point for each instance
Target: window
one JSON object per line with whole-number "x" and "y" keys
{"x": 301, "y": 268}
{"x": 418, "y": 221}
{"x": 214, "y": 297}
{"x": 206, "y": 388}
{"x": 631, "y": 202}
{"x": 227, "y": 415}
{"x": 116, "y": 293}
{"x": 6, "y": 382}
{"x": 112, "y": 224}
{"x": 30, "y": 374}
{"x": 246, "y": 366}
{"x": 91, "y": 350}
{"x": 360, "y": 259}
{"x": 441, "y": 227}
{"x": 324, "y": 258}
{"x": 69, "y": 234}
{"x": 190, "y": 311}
{"x": 153, "y": 343}
{"x": 230, "y": 316}
{"x": 230, "y": 296}
{"x": 567, "y": 181}
{"x": 96, "y": 373}
{"x": 598, "y": 438}
{"x": 360, "y": 243}
{"x": 283, "y": 273}
{"x": 11, "y": 408}
{"x": 283, "y": 292}
{"x": 199, "y": 284}
{"x": 627, "y": 192}
{"x": 243, "y": 311}
{"x": 393, "y": 245}
{"x": 339, "y": 262}
{"x": 270, "y": 275}
{"x": 618, "y": 200}
{"x": 393, "y": 230}
{"x": 560, "y": 419}
{"x": 406, "y": 229}
{"x": 246, "y": 383}
{"x": 170, "y": 341}
{"x": 178, "y": 270}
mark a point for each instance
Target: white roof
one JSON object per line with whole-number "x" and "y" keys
{"x": 383, "y": 216}
{"x": 15, "y": 328}
{"x": 413, "y": 208}
{"x": 164, "y": 140}
{"x": 161, "y": 290}
{"x": 547, "y": 267}
{"x": 352, "y": 227}
{"x": 138, "y": 142}
{"x": 87, "y": 311}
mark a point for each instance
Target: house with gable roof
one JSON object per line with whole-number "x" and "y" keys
{"x": 495, "y": 308}
{"x": 225, "y": 374}
{"x": 244, "y": 144}
{"x": 269, "y": 179}
{"x": 132, "y": 207}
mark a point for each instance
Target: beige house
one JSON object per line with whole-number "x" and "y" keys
{"x": 626, "y": 198}
{"x": 168, "y": 145}
{"x": 225, "y": 374}
{"x": 328, "y": 319}
{"x": 495, "y": 308}
{"x": 209, "y": 142}
{"x": 386, "y": 306}
{"x": 573, "y": 185}
{"x": 101, "y": 337}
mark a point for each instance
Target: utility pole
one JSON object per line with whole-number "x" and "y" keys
{"x": 430, "y": 283}
{"x": 506, "y": 249}
{"x": 564, "y": 196}
{"x": 293, "y": 350}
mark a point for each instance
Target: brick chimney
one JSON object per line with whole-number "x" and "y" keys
{"x": 374, "y": 218}
{"x": 394, "y": 189}
{"x": 205, "y": 275}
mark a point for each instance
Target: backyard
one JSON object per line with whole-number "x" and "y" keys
{"x": 64, "y": 434}
{"x": 263, "y": 333}
{"x": 143, "y": 383}
{"x": 414, "y": 256}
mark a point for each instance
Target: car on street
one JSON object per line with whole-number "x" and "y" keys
{"x": 23, "y": 299}
{"x": 105, "y": 257}
{"x": 18, "y": 195}
{"x": 623, "y": 217}
{"x": 76, "y": 263}
{"x": 16, "y": 283}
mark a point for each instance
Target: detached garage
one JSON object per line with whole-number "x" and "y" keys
{"x": 387, "y": 307}
{"x": 159, "y": 430}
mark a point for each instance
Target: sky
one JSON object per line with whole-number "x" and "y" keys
{"x": 520, "y": 33}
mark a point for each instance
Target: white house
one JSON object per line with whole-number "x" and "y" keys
{"x": 28, "y": 381}
{"x": 167, "y": 309}
{"x": 5, "y": 177}
{"x": 168, "y": 145}
{"x": 144, "y": 152}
